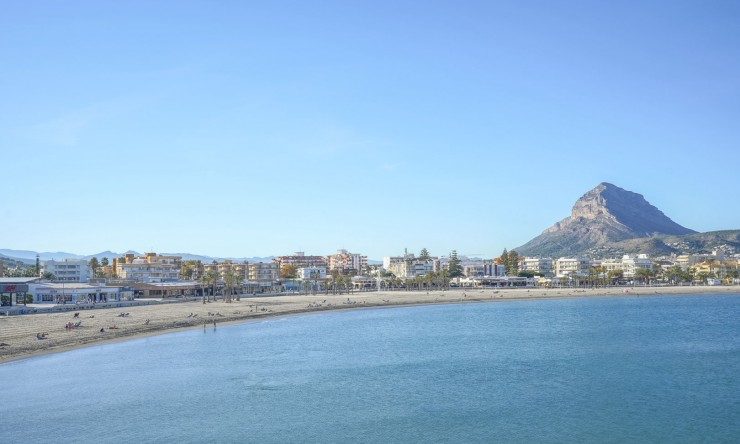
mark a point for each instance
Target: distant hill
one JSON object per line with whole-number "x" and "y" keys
{"x": 29, "y": 257}
{"x": 609, "y": 220}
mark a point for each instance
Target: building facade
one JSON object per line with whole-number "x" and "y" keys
{"x": 628, "y": 264}
{"x": 309, "y": 273}
{"x": 538, "y": 265}
{"x": 566, "y": 266}
{"x": 346, "y": 262}
{"x": 223, "y": 268}
{"x": 68, "y": 270}
{"x": 76, "y": 293}
{"x": 149, "y": 268}
{"x": 300, "y": 260}
{"x": 263, "y": 271}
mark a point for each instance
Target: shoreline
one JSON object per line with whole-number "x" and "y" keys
{"x": 19, "y": 332}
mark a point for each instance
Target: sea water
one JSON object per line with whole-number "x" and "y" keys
{"x": 606, "y": 370}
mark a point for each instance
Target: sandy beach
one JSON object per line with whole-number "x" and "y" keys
{"x": 18, "y": 334}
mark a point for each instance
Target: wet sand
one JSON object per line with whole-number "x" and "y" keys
{"x": 18, "y": 334}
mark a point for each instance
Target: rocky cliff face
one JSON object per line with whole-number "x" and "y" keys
{"x": 605, "y": 215}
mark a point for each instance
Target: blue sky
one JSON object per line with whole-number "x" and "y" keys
{"x": 235, "y": 128}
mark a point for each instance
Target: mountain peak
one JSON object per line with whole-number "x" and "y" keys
{"x": 604, "y": 214}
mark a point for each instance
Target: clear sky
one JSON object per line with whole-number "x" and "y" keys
{"x": 238, "y": 128}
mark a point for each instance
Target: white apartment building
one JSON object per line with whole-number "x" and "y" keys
{"x": 566, "y": 266}
{"x": 411, "y": 267}
{"x": 68, "y": 270}
{"x": 538, "y": 265}
{"x": 308, "y": 273}
{"x": 150, "y": 268}
{"x": 628, "y": 264}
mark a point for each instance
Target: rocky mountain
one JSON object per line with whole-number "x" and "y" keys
{"x": 607, "y": 219}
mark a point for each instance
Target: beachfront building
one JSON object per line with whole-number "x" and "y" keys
{"x": 163, "y": 290}
{"x": 411, "y": 267}
{"x": 566, "y": 266}
{"x": 311, "y": 273}
{"x": 713, "y": 269}
{"x": 494, "y": 270}
{"x": 76, "y": 293}
{"x": 543, "y": 266}
{"x": 13, "y": 290}
{"x": 628, "y": 264}
{"x": 67, "y": 270}
{"x": 223, "y": 268}
{"x": 263, "y": 271}
{"x": 148, "y": 268}
{"x": 686, "y": 261}
{"x": 346, "y": 262}
{"x": 300, "y": 260}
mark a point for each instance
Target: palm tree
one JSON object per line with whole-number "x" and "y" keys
{"x": 94, "y": 265}
{"x": 211, "y": 278}
{"x": 231, "y": 280}
{"x": 643, "y": 274}
{"x": 203, "y": 282}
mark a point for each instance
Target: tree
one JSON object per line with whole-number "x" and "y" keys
{"x": 211, "y": 278}
{"x": 512, "y": 263}
{"x": 424, "y": 254}
{"x": 504, "y": 258}
{"x": 49, "y": 276}
{"x": 615, "y": 275}
{"x": 454, "y": 269}
{"x": 231, "y": 280}
{"x": 643, "y": 274}
{"x": 288, "y": 271}
{"x": 203, "y": 282}
{"x": 104, "y": 262}
{"x": 187, "y": 271}
{"x": 673, "y": 274}
{"x": 94, "y": 265}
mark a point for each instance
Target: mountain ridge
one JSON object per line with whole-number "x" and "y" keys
{"x": 603, "y": 218}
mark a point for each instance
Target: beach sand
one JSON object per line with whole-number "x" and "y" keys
{"x": 19, "y": 333}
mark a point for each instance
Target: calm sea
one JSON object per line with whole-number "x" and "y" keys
{"x": 603, "y": 370}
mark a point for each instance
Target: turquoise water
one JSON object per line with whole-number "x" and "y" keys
{"x": 648, "y": 369}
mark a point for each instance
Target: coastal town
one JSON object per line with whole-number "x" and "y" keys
{"x": 158, "y": 276}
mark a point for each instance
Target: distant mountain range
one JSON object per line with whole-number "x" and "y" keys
{"x": 29, "y": 257}
{"x": 609, "y": 221}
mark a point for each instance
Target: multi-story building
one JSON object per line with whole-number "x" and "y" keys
{"x": 712, "y": 268}
{"x": 2, "y": 269}
{"x": 411, "y": 267}
{"x": 686, "y": 261}
{"x": 628, "y": 264}
{"x": 300, "y": 260}
{"x": 346, "y": 262}
{"x": 566, "y": 266}
{"x": 68, "y": 270}
{"x": 310, "y": 273}
{"x": 149, "y": 268}
{"x": 538, "y": 265}
{"x": 263, "y": 271}
{"x": 222, "y": 268}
